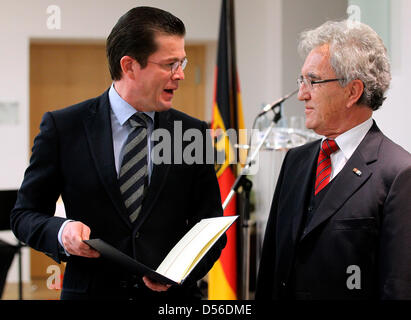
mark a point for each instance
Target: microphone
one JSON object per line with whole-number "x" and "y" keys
{"x": 269, "y": 107}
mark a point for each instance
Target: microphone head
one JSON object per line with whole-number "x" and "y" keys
{"x": 283, "y": 99}
{"x": 267, "y": 108}
{"x": 271, "y": 106}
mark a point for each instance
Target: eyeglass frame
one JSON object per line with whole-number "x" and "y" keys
{"x": 309, "y": 83}
{"x": 173, "y": 66}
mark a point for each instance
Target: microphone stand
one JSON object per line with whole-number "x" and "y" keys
{"x": 246, "y": 184}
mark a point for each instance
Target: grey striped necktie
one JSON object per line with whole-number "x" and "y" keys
{"x": 133, "y": 171}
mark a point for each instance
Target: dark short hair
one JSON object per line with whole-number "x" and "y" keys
{"x": 134, "y": 35}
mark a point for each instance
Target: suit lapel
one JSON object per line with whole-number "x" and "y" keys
{"x": 100, "y": 139}
{"x": 347, "y": 182}
{"x": 308, "y": 163}
{"x": 160, "y": 171}
{"x": 293, "y": 201}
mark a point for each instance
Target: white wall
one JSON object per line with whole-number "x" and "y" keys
{"x": 394, "y": 117}
{"x": 258, "y": 26}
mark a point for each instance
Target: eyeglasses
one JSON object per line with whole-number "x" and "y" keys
{"x": 173, "y": 66}
{"x": 309, "y": 83}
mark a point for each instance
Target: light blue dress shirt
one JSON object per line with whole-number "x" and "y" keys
{"x": 120, "y": 112}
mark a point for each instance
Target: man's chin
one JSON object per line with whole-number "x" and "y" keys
{"x": 308, "y": 125}
{"x": 311, "y": 126}
{"x": 164, "y": 107}
{"x": 161, "y": 106}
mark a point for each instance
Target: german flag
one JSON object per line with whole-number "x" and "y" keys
{"x": 227, "y": 114}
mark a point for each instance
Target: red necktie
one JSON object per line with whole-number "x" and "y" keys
{"x": 324, "y": 164}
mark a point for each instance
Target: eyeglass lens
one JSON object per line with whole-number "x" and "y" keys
{"x": 175, "y": 65}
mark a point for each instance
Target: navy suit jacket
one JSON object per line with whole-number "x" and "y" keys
{"x": 362, "y": 225}
{"x": 73, "y": 157}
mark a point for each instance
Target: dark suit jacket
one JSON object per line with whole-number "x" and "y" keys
{"x": 73, "y": 157}
{"x": 363, "y": 220}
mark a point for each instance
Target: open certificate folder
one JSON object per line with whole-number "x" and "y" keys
{"x": 181, "y": 260}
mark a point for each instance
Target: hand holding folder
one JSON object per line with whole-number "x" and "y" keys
{"x": 182, "y": 258}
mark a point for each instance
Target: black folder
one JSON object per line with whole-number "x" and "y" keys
{"x": 109, "y": 252}
{"x": 201, "y": 237}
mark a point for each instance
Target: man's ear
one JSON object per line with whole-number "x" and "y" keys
{"x": 128, "y": 65}
{"x": 355, "y": 91}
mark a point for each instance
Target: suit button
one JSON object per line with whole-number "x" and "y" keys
{"x": 283, "y": 284}
{"x": 310, "y": 209}
{"x": 137, "y": 234}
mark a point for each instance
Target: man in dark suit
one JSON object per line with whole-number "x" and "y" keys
{"x": 340, "y": 221}
{"x": 99, "y": 157}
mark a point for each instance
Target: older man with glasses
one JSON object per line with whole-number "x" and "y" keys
{"x": 340, "y": 221}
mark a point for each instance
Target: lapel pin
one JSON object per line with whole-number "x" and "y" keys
{"x": 357, "y": 172}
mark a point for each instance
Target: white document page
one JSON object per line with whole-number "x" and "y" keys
{"x": 192, "y": 247}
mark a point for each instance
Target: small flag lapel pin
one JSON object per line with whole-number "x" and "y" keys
{"x": 357, "y": 172}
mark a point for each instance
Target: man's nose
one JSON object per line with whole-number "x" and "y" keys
{"x": 179, "y": 74}
{"x": 303, "y": 93}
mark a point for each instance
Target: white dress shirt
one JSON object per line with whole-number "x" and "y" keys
{"x": 348, "y": 143}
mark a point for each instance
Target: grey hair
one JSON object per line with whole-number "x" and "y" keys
{"x": 356, "y": 52}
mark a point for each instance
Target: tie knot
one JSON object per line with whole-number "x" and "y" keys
{"x": 139, "y": 119}
{"x": 329, "y": 146}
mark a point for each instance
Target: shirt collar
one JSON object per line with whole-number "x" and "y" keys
{"x": 349, "y": 140}
{"x": 121, "y": 109}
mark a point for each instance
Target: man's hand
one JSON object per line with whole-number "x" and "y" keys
{"x": 72, "y": 237}
{"x": 155, "y": 286}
